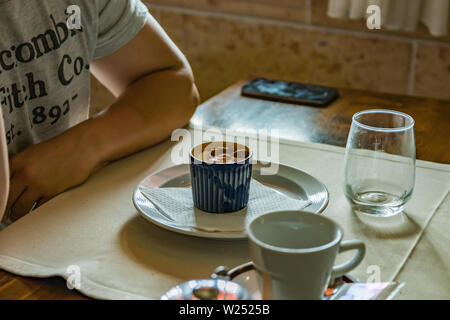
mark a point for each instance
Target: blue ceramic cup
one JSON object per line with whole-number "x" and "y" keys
{"x": 220, "y": 175}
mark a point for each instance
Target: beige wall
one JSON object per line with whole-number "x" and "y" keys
{"x": 226, "y": 40}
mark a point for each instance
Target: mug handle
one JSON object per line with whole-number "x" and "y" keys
{"x": 346, "y": 267}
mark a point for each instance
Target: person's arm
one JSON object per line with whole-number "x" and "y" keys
{"x": 155, "y": 89}
{"x": 4, "y": 169}
{"x": 155, "y": 93}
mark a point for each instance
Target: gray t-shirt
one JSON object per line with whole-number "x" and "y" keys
{"x": 44, "y": 61}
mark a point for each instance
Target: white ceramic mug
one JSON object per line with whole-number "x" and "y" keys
{"x": 294, "y": 253}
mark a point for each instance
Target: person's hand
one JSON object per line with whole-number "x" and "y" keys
{"x": 42, "y": 171}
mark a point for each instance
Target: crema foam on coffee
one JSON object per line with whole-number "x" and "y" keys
{"x": 221, "y": 152}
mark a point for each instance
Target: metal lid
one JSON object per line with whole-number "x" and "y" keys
{"x": 217, "y": 288}
{"x": 208, "y": 289}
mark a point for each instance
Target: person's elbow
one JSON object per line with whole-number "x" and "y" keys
{"x": 188, "y": 97}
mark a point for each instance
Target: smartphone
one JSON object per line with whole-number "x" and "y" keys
{"x": 291, "y": 92}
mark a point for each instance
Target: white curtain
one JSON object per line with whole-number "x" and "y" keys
{"x": 397, "y": 14}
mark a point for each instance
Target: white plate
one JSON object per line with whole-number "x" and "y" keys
{"x": 288, "y": 181}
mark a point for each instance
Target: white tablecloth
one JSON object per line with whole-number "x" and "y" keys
{"x": 96, "y": 228}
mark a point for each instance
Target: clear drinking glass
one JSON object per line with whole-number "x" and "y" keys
{"x": 380, "y": 162}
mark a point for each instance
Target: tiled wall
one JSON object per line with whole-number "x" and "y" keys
{"x": 227, "y": 40}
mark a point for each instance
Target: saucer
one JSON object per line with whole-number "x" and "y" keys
{"x": 288, "y": 181}
{"x": 248, "y": 280}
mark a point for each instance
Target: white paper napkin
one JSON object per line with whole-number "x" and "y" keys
{"x": 177, "y": 205}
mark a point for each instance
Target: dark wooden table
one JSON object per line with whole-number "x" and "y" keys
{"x": 328, "y": 125}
